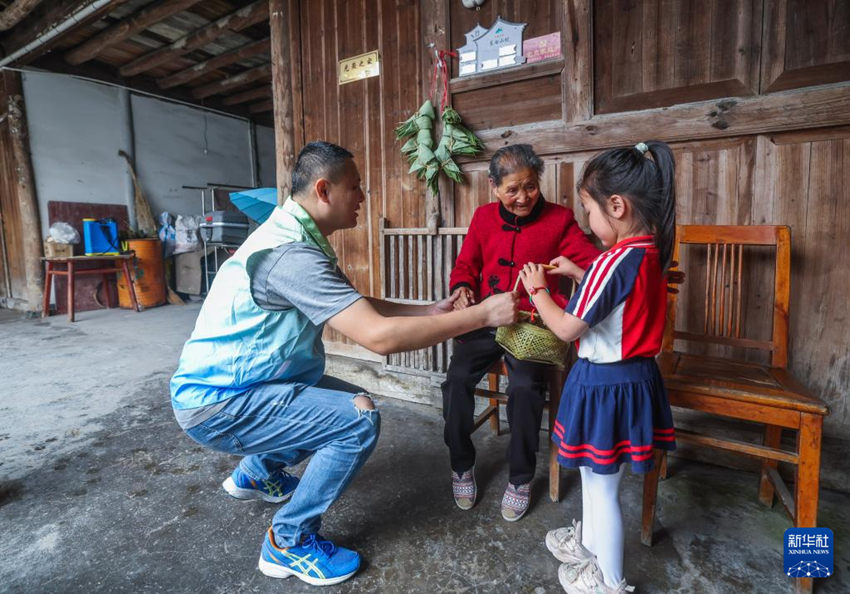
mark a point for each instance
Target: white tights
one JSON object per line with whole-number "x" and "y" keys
{"x": 602, "y": 521}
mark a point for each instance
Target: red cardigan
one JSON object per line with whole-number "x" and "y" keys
{"x": 499, "y": 243}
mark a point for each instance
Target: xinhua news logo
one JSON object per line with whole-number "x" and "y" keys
{"x": 808, "y": 552}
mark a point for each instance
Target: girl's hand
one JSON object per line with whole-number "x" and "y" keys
{"x": 532, "y": 276}
{"x": 566, "y": 267}
{"x": 464, "y": 297}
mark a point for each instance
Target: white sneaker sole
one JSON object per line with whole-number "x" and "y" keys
{"x": 277, "y": 571}
{"x": 240, "y": 493}
{"x": 560, "y": 555}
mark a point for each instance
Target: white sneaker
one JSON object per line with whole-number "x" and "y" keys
{"x": 586, "y": 578}
{"x": 565, "y": 544}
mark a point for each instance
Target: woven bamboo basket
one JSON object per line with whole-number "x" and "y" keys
{"x": 532, "y": 340}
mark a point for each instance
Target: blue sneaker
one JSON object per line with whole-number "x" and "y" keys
{"x": 275, "y": 489}
{"x": 316, "y": 561}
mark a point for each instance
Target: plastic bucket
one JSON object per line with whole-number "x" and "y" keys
{"x": 148, "y": 275}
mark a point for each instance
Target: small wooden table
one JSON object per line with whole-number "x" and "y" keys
{"x": 117, "y": 263}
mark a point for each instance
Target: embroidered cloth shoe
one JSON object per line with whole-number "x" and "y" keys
{"x": 565, "y": 544}
{"x": 316, "y": 561}
{"x": 515, "y": 501}
{"x": 277, "y": 488}
{"x": 464, "y": 489}
{"x": 585, "y": 577}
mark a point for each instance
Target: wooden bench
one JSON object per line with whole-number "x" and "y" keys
{"x": 725, "y": 383}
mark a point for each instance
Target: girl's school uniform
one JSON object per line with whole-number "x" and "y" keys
{"x": 614, "y": 406}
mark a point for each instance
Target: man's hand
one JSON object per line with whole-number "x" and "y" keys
{"x": 566, "y": 267}
{"x": 501, "y": 309}
{"x": 445, "y": 305}
{"x": 464, "y": 297}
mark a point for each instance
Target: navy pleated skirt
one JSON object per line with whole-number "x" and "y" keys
{"x": 612, "y": 413}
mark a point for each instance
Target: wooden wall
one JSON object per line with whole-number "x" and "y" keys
{"x": 753, "y": 96}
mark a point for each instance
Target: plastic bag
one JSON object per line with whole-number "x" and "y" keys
{"x": 61, "y": 232}
{"x": 186, "y": 234}
{"x": 166, "y": 234}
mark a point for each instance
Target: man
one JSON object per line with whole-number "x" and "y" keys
{"x": 250, "y": 378}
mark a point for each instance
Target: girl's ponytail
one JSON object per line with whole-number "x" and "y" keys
{"x": 647, "y": 180}
{"x": 665, "y": 228}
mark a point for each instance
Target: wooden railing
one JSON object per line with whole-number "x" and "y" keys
{"x": 415, "y": 266}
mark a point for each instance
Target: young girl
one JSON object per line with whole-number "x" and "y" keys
{"x": 614, "y": 407}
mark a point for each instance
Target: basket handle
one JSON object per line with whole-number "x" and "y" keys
{"x": 545, "y": 267}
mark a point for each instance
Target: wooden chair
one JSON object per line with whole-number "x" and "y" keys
{"x": 734, "y": 387}
{"x": 555, "y": 382}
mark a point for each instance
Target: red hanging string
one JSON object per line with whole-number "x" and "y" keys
{"x": 441, "y": 67}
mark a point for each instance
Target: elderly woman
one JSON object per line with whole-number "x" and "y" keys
{"x": 520, "y": 227}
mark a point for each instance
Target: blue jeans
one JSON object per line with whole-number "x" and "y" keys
{"x": 276, "y": 425}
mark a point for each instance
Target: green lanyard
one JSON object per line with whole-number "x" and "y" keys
{"x": 309, "y": 225}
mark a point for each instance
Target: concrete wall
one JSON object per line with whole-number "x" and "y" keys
{"x": 76, "y": 129}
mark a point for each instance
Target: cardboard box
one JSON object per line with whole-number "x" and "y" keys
{"x": 58, "y": 250}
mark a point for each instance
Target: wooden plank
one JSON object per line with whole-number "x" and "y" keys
{"x": 261, "y": 107}
{"x": 282, "y": 94}
{"x": 126, "y": 28}
{"x": 246, "y": 96}
{"x": 234, "y": 82}
{"x": 577, "y": 77}
{"x": 508, "y": 75}
{"x": 734, "y": 445}
{"x": 31, "y": 247}
{"x": 813, "y": 108}
{"x": 260, "y": 47}
{"x": 235, "y": 21}
{"x": 15, "y": 12}
{"x": 47, "y": 17}
{"x": 703, "y": 399}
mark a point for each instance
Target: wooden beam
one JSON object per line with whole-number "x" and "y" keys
{"x": 245, "y": 96}
{"x": 718, "y": 118}
{"x": 126, "y": 28}
{"x": 435, "y": 28}
{"x": 261, "y": 107}
{"x": 16, "y": 12}
{"x": 577, "y": 80}
{"x": 260, "y": 47}
{"x": 233, "y": 82}
{"x": 52, "y": 21}
{"x": 98, "y": 71}
{"x": 284, "y": 135}
{"x": 27, "y": 201}
{"x": 235, "y": 21}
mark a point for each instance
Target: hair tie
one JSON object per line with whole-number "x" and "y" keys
{"x": 641, "y": 146}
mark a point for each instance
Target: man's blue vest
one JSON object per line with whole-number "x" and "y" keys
{"x": 236, "y": 344}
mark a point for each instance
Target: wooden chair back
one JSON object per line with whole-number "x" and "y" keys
{"x": 721, "y": 286}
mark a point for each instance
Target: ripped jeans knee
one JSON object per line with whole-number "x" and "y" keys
{"x": 370, "y": 421}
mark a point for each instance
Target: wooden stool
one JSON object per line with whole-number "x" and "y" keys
{"x": 119, "y": 263}
{"x": 555, "y": 383}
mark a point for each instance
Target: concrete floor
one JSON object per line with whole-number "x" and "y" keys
{"x": 100, "y": 491}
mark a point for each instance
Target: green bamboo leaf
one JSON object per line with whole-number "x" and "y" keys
{"x": 427, "y": 109}
{"x": 424, "y": 122}
{"x": 423, "y": 138}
